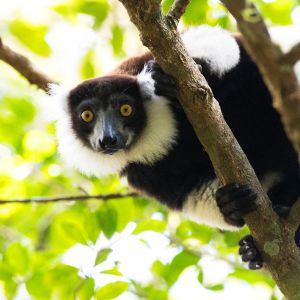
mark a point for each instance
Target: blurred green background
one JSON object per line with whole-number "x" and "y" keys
{"x": 131, "y": 248}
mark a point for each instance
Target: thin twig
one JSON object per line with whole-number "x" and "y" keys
{"x": 292, "y": 56}
{"x": 23, "y": 65}
{"x": 177, "y": 10}
{"x": 294, "y": 216}
{"x": 69, "y": 198}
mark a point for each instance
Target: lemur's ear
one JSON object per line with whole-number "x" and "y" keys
{"x": 56, "y": 103}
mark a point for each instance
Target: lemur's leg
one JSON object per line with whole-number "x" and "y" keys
{"x": 235, "y": 201}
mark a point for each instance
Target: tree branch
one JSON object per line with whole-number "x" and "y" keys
{"x": 276, "y": 68}
{"x": 43, "y": 200}
{"x": 177, "y": 10}
{"x": 293, "y": 219}
{"x": 293, "y": 56}
{"x": 23, "y": 65}
{"x": 161, "y": 37}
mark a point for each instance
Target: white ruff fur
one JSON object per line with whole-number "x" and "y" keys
{"x": 286, "y": 37}
{"x": 214, "y": 45}
{"x": 202, "y": 207}
{"x": 156, "y": 140}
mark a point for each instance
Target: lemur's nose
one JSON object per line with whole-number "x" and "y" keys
{"x": 108, "y": 142}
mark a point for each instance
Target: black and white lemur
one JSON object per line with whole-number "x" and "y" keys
{"x": 130, "y": 122}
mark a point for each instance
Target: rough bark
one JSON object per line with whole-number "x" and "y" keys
{"x": 177, "y": 10}
{"x": 292, "y": 56}
{"x": 160, "y": 35}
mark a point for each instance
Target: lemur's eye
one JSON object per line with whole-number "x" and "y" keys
{"x": 87, "y": 116}
{"x": 126, "y": 110}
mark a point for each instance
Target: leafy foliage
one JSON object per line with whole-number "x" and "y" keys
{"x": 82, "y": 250}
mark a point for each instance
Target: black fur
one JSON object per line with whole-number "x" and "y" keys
{"x": 247, "y": 108}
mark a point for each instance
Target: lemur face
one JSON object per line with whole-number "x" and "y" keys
{"x": 107, "y": 113}
{"x": 106, "y": 123}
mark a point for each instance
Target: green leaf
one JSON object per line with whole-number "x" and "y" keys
{"x": 156, "y": 294}
{"x": 111, "y": 290}
{"x": 74, "y": 232}
{"x": 215, "y": 287}
{"x": 58, "y": 275}
{"x": 86, "y": 290}
{"x": 126, "y": 210}
{"x": 117, "y": 39}
{"x": 279, "y": 12}
{"x": 18, "y": 107}
{"x": 181, "y": 261}
{"x": 252, "y": 277}
{"x": 96, "y": 8}
{"x": 87, "y": 69}
{"x": 166, "y": 5}
{"x": 152, "y": 225}
{"x": 231, "y": 238}
{"x": 36, "y": 286}
{"x": 6, "y": 272}
{"x": 78, "y": 224}
{"x": 158, "y": 268}
{"x": 32, "y": 36}
{"x": 113, "y": 271}
{"x": 195, "y": 13}
{"x": 11, "y": 108}
{"x": 189, "y": 229}
{"x": 108, "y": 219}
{"x": 10, "y": 288}
{"x": 102, "y": 255}
{"x": 51, "y": 284}
{"x": 200, "y": 277}
{"x": 16, "y": 255}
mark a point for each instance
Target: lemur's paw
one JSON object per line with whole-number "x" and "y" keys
{"x": 249, "y": 253}
{"x": 235, "y": 201}
{"x": 165, "y": 85}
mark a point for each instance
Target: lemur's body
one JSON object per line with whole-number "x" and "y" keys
{"x": 156, "y": 147}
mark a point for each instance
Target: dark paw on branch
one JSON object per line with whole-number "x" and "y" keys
{"x": 249, "y": 253}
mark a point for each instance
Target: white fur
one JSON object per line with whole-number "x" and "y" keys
{"x": 286, "y": 37}
{"x": 55, "y": 108}
{"x": 201, "y": 206}
{"x": 156, "y": 140}
{"x": 214, "y": 45}
{"x": 146, "y": 83}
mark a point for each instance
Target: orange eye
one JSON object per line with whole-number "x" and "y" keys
{"x": 126, "y": 110}
{"x": 87, "y": 116}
